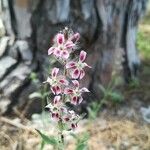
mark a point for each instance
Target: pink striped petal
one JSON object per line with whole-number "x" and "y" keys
{"x": 57, "y": 52}
{"x": 68, "y": 91}
{"x": 84, "y": 90}
{"x": 73, "y": 126}
{"x": 60, "y": 38}
{"x": 55, "y": 72}
{"x": 75, "y": 83}
{"x": 69, "y": 44}
{"x": 51, "y": 50}
{"x": 66, "y": 119}
{"x": 58, "y": 90}
{"x": 64, "y": 54}
{"x": 82, "y": 56}
{"x": 56, "y": 99}
{"x": 82, "y": 74}
{"x": 75, "y": 37}
{"x": 70, "y": 64}
{"x": 53, "y": 89}
{"x": 74, "y": 100}
{"x": 55, "y": 116}
{"x": 63, "y": 81}
{"x": 75, "y": 74}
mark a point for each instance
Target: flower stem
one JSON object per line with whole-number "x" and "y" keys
{"x": 62, "y": 138}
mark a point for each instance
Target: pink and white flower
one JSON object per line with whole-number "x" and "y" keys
{"x": 75, "y": 93}
{"x": 56, "y": 108}
{"x": 56, "y": 81}
{"x": 62, "y": 48}
{"x": 71, "y": 119}
{"x": 76, "y": 68}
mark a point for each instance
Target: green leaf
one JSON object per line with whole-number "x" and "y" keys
{"x": 92, "y": 113}
{"x": 93, "y": 110}
{"x": 33, "y": 76}
{"x": 116, "y": 97}
{"x": 48, "y": 140}
{"x": 84, "y": 137}
{"x": 82, "y": 146}
{"x": 74, "y": 135}
{"x": 35, "y": 95}
{"x": 42, "y": 145}
{"x": 45, "y": 94}
{"x": 102, "y": 88}
{"x": 82, "y": 141}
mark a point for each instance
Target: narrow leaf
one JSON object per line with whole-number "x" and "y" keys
{"x": 102, "y": 88}
{"x": 82, "y": 146}
{"x": 42, "y": 145}
{"x": 48, "y": 140}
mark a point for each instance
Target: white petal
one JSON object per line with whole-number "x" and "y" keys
{"x": 86, "y": 65}
{"x": 75, "y": 83}
{"x": 51, "y": 50}
{"x": 80, "y": 100}
{"x": 49, "y": 80}
{"x": 56, "y": 99}
{"x": 84, "y": 90}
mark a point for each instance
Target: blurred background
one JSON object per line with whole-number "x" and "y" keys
{"x": 116, "y": 36}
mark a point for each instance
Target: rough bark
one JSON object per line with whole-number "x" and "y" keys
{"x": 108, "y": 29}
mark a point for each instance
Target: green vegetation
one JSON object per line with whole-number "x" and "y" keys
{"x": 143, "y": 41}
{"x": 110, "y": 96}
{"x": 143, "y": 38}
{"x": 51, "y": 140}
{"x": 81, "y": 141}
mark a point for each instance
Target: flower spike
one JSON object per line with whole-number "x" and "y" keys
{"x": 66, "y": 86}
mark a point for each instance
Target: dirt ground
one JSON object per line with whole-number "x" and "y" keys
{"x": 105, "y": 134}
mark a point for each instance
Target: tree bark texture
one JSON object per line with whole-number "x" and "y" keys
{"x": 108, "y": 29}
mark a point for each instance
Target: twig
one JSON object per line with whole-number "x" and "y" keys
{"x": 20, "y": 115}
{"x": 18, "y": 125}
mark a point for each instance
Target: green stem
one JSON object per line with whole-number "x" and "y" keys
{"x": 60, "y": 123}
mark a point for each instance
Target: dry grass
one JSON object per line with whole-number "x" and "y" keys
{"x": 120, "y": 134}
{"x": 104, "y": 134}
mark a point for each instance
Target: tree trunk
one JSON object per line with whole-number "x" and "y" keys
{"x": 108, "y": 29}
